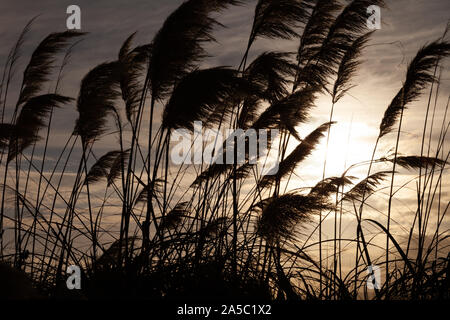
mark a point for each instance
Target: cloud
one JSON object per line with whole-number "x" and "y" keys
{"x": 406, "y": 27}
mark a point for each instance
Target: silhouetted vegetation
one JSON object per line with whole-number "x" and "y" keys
{"x": 142, "y": 227}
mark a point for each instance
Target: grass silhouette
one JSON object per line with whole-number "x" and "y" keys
{"x": 215, "y": 237}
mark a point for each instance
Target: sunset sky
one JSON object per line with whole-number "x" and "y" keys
{"x": 406, "y": 26}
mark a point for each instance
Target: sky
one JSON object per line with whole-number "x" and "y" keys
{"x": 407, "y": 25}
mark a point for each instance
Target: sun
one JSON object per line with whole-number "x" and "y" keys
{"x": 349, "y": 143}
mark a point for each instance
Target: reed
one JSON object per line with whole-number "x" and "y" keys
{"x": 142, "y": 227}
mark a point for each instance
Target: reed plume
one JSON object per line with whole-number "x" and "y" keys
{"x": 205, "y": 95}
{"x": 418, "y": 77}
{"x": 280, "y": 215}
{"x": 303, "y": 150}
{"x": 31, "y": 119}
{"x": 108, "y": 167}
{"x": 99, "y": 89}
{"x": 177, "y": 47}
{"x": 40, "y": 66}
